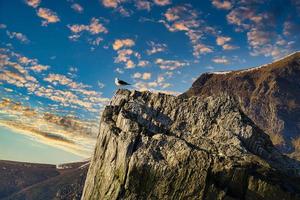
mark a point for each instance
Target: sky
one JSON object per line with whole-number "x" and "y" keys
{"x": 61, "y": 56}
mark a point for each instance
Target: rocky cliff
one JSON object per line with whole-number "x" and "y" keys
{"x": 157, "y": 146}
{"x": 269, "y": 95}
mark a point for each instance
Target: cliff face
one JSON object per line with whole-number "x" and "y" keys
{"x": 156, "y": 146}
{"x": 269, "y": 95}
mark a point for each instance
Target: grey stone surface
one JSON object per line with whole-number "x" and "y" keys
{"x": 157, "y": 146}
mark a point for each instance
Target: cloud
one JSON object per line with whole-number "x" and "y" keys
{"x": 143, "y": 5}
{"x": 67, "y": 93}
{"x": 226, "y": 5}
{"x": 170, "y": 64}
{"x": 156, "y": 48}
{"x": 222, "y": 40}
{"x": 120, "y": 43}
{"x": 130, "y": 64}
{"x": 19, "y": 36}
{"x": 111, "y": 3}
{"x": 26, "y": 61}
{"x": 260, "y": 23}
{"x": 157, "y": 85}
{"x": 33, "y": 3}
{"x": 123, "y": 55}
{"x": 119, "y": 70}
{"x": 100, "y": 85}
{"x": 77, "y": 7}
{"x": 220, "y": 60}
{"x": 186, "y": 19}
{"x": 143, "y": 63}
{"x": 202, "y": 49}
{"x": 39, "y": 68}
{"x": 3, "y": 26}
{"x": 144, "y": 76}
{"x": 94, "y": 28}
{"x": 162, "y": 2}
{"x": 126, "y": 55}
{"x": 48, "y": 15}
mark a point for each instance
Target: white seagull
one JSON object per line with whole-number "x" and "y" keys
{"x": 119, "y": 82}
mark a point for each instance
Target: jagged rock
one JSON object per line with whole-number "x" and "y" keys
{"x": 157, "y": 146}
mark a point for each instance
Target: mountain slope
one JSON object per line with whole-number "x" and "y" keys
{"x": 27, "y": 181}
{"x": 18, "y": 175}
{"x": 157, "y": 146}
{"x": 269, "y": 95}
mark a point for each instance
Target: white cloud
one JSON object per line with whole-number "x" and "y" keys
{"x": 120, "y": 43}
{"x": 48, "y": 15}
{"x": 33, "y": 3}
{"x": 39, "y": 68}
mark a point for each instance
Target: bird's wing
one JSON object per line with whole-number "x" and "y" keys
{"x": 123, "y": 82}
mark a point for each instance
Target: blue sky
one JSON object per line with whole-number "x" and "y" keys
{"x": 62, "y": 56}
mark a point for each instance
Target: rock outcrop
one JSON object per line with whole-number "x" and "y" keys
{"x": 157, "y": 146}
{"x": 269, "y": 95}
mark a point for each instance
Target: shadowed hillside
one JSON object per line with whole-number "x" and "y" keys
{"x": 269, "y": 95}
{"x": 29, "y": 181}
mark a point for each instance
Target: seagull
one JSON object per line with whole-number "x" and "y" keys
{"x": 119, "y": 82}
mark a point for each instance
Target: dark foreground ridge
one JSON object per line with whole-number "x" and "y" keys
{"x": 157, "y": 146}
{"x": 30, "y": 181}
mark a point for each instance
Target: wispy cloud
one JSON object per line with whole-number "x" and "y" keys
{"x": 143, "y": 5}
{"x": 186, "y": 19}
{"x": 19, "y": 36}
{"x": 93, "y": 30}
{"x": 170, "y": 64}
{"x": 223, "y": 41}
{"x": 61, "y": 89}
{"x": 77, "y": 7}
{"x": 220, "y": 60}
{"x": 156, "y": 48}
{"x": 260, "y": 24}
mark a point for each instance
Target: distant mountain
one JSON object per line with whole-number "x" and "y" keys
{"x": 269, "y": 95}
{"x": 28, "y": 181}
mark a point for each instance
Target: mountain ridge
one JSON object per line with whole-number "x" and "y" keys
{"x": 269, "y": 95}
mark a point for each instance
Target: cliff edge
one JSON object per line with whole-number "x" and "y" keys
{"x": 157, "y": 146}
